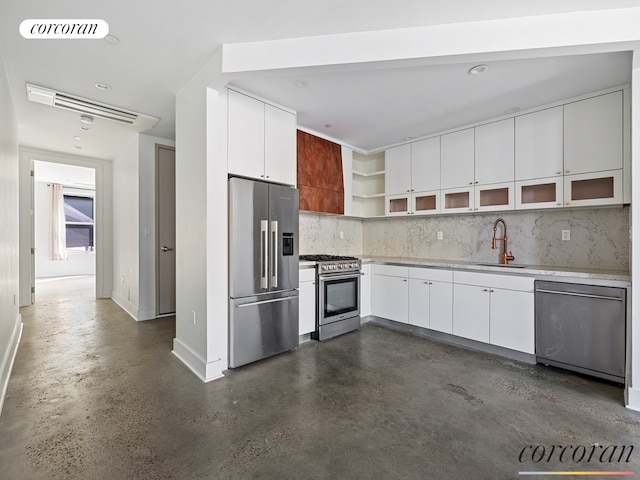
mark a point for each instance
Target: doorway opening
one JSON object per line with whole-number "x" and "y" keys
{"x": 86, "y": 206}
{"x": 64, "y": 223}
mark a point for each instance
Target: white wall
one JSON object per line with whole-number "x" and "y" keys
{"x": 10, "y": 323}
{"x": 633, "y": 391}
{"x": 125, "y": 290}
{"x": 201, "y": 225}
{"x": 76, "y": 263}
{"x": 147, "y": 231}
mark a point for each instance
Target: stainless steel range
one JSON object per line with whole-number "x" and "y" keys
{"x": 337, "y": 295}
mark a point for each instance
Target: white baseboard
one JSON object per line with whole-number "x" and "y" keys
{"x": 8, "y": 359}
{"x": 203, "y": 370}
{"x": 125, "y": 304}
{"x": 633, "y": 398}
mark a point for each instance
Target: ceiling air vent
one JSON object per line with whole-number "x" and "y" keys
{"x": 81, "y": 105}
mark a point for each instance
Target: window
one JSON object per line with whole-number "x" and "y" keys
{"x": 78, "y": 216}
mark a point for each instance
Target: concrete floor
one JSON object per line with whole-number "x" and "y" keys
{"x": 95, "y": 395}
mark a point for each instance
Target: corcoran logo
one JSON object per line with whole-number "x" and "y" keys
{"x": 577, "y": 455}
{"x": 64, "y": 29}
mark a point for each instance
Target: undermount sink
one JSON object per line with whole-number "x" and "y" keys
{"x": 511, "y": 265}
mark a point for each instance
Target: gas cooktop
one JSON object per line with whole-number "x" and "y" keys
{"x": 324, "y": 258}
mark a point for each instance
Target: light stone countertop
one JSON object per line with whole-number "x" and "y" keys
{"x": 528, "y": 270}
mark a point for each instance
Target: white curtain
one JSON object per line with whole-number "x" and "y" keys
{"x": 58, "y": 228}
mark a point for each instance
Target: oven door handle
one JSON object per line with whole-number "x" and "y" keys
{"x": 340, "y": 277}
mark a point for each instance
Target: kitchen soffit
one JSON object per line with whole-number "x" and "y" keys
{"x": 370, "y": 109}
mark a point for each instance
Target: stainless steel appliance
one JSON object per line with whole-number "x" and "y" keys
{"x": 337, "y": 295}
{"x": 263, "y": 266}
{"x": 581, "y": 328}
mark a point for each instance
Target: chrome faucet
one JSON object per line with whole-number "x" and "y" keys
{"x": 504, "y": 258}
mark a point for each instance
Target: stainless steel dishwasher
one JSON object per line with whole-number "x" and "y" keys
{"x": 581, "y": 328}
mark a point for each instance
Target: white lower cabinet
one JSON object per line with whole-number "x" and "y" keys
{"x": 512, "y": 320}
{"x": 471, "y": 306}
{"x": 365, "y": 291}
{"x": 490, "y": 308}
{"x": 307, "y": 301}
{"x": 431, "y": 299}
{"x": 391, "y": 292}
{"x": 495, "y": 309}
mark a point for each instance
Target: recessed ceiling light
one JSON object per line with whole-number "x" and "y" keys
{"x": 302, "y": 83}
{"x": 478, "y": 69}
{"x": 86, "y": 129}
{"x": 76, "y": 137}
{"x": 112, "y": 40}
{"x": 102, "y": 86}
{"x": 88, "y": 119}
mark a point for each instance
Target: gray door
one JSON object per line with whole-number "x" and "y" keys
{"x": 284, "y": 206}
{"x": 165, "y": 230}
{"x": 248, "y": 237}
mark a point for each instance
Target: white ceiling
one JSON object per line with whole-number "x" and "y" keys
{"x": 163, "y": 43}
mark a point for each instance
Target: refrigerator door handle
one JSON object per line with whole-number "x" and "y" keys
{"x": 274, "y": 256}
{"x": 264, "y": 253}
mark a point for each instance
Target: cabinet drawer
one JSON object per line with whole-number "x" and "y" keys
{"x": 307, "y": 275}
{"x": 391, "y": 270}
{"x": 431, "y": 274}
{"x": 507, "y": 282}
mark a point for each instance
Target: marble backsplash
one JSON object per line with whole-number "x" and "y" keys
{"x": 599, "y": 237}
{"x": 320, "y": 234}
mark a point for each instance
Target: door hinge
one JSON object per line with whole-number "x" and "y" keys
{"x": 33, "y": 289}
{"x": 33, "y": 251}
{"x": 32, "y": 174}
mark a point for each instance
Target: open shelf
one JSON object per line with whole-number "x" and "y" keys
{"x": 368, "y": 184}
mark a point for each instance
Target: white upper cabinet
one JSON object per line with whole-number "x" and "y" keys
{"x": 494, "y": 152}
{"x": 280, "y": 155}
{"x": 397, "y": 177}
{"x": 413, "y": 167}
{"x": 246, "y": 135}
{"x": 261, "y": 140}
{"x": 539, "y": 144}
{"x": 457, "y": 159}
{"x": 425, "y": 165}
{"x": 593, "y": 134}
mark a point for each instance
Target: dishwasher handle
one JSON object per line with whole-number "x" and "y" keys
{"x": 584, "y": 295}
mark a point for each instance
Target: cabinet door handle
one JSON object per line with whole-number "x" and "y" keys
{"x": 566, "y": 171}
{"x": 491, "y": 290}
{"x": 558, "y": 173}
{"x": 470, "y": 183}
{"x": 485, "y": 289}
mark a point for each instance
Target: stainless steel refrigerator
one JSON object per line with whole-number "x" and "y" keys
{"x": 263, "y": 282}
